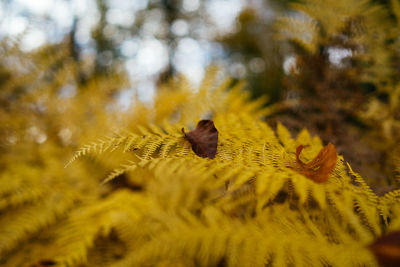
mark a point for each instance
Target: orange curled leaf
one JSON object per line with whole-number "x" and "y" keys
{"x": 321, "y": 166}
{"x": 387, "y": 249}
{"x": 204, "y": 139}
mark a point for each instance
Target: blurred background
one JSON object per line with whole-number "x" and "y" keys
{"x": 329, "y": 66}
{"x": 150, "y": 40}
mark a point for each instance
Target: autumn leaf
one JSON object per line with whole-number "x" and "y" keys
{"x": 204, "y": 139}
{"x": 321, "y": 166}
{"x": 387, "y": 249}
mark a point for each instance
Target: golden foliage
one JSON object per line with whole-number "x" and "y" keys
{"x": 247, "y": 206}
{"x": 165, "y": 206}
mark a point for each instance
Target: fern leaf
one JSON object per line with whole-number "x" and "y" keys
{"x": 29, "y": 219}
{"x": 358, "y": 179}
{"x": 318, "y": 193}
{"x": 117, "y": 172}
{"x": 275, "y": 186}
{"x": 81, "y": 229}
{"x": 370, "y": 214}
{"x": 153, "y": 144}
{"x": 392, "y": 197}
{"x": 302, "y": 187}
{"x": 285, "y": 137}
{"x": 98, "y": 147}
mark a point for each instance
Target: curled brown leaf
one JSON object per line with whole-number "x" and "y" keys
{"x": 204, "y": 139}
{"x": 320, "y": 168}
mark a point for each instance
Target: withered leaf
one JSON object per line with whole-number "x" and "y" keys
{"x": 204, "y": 139}
{"x": 387, "y": 249}
{"x": 321, "y": 166}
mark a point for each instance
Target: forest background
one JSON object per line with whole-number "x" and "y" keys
{"x": 73, "y": 72}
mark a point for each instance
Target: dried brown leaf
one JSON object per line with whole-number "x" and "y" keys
{"x": 204, "y": 139}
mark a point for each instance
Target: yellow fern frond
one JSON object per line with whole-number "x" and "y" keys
{"x": 101, "y": 146}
